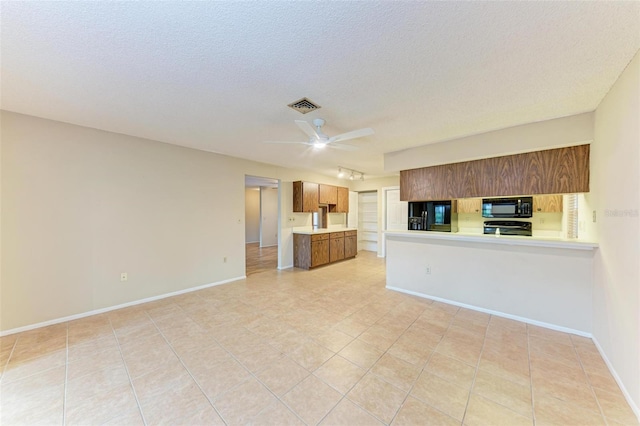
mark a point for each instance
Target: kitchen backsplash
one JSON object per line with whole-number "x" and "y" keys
{"x": 544, "y": 224}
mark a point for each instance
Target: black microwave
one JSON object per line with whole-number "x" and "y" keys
{"x": 507, "y": 207}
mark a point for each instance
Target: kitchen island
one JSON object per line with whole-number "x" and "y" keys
{"x": 544, "y": 281}
{"x": 314, "y": 247}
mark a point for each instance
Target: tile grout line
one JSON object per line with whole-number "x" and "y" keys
{"x": 423, "y": 367}
{"x": 66, "y": 379}
{"x": 4, "y": 367}
{"x": 133, "y": 389}
{"x": 475, "y": 372}
{"x": 593, "y": 392}
{"x": 311, "y": 372}
{"x": 366, "y": 372}
{"x": 187, "y": 368}
{"x": 533, "y": 401}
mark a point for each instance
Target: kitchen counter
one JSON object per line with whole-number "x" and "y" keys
{"x": 317, "y": 247}
{"x": 512, "y": 240}
{"x": 542, "y": 281}
{"x": 309, "y": 231}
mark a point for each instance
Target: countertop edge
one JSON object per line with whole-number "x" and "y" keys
{"x": 504, "y": 239}
{"x": 322, "y": 231}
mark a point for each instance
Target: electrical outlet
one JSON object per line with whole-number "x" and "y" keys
{"x": 428, "y": 270}
{"x": 594, "y": 216}
{"x": 123, "y": 276}
{"x": 541, "y": 220}
{"x": 224, "y": 259}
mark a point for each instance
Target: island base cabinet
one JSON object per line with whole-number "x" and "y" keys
{"x": 336, "y": 246}
{"x": 310, "y": 251}
{"x": 350, "y": 244}
{"x": 314, "y": 250}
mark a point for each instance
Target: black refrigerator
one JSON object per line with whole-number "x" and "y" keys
{"x": 432, "y": 216}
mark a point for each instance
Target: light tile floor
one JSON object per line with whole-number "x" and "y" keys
{"x": 330, "y": 346}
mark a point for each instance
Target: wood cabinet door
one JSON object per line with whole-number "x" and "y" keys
{"x": 305, "y": 197}
{"x": 551, "y": 171}
{"x": 547, "y": 203}
{"x": 309, "y": 197}
{"x": 470, "y": 205}
{"x": 342, "y": 206}
{"x": 328, "y": 194}
{"x": 336, "y": 249}
{"x": 319, "y": 253}
{"x": 350, "y": 246}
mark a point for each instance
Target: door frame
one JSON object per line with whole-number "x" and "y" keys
{"x": 385, "y": 190}
{"x": 279, "y": 217}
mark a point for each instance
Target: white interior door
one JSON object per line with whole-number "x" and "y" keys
{"x": 396, "y": 213}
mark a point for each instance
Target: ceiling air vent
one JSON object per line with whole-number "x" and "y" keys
{"x": 304, "y": 106}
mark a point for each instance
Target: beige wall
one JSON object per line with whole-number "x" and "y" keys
{"x": 252, "y": 215}
{"x": 565, "y": 131}
{"x": 80, "y": 206}
{"x": 615, "y": 196}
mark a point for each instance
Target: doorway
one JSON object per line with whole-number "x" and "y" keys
{"x": 368, "y": 221}
{"x": 261, "y": 224}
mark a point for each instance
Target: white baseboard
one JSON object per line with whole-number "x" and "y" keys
{"x": 280, "y": 268}
{"x": 496, "y": 313}
{"x": 113, "y": 308}
{"x": 631, "y": 402}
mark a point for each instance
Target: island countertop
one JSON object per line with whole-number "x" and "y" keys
{"x": 313, "y": 231}
{"x": 551, "y": 242}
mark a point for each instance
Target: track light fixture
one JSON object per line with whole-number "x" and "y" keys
{"x": 344, "y": 171}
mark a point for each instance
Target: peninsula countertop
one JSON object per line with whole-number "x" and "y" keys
{"x": 551, "y": 242}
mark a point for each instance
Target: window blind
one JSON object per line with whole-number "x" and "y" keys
{"x": 572, "y": 216}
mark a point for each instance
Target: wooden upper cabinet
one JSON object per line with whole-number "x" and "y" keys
{"x": 342, "y": 206}
{"x": 328, "y": 194}
{"x": 305, "y": 197}
{"x": 551, "y": 171}
{"x": 470, "y": 205}
{"x": 547, "y": 203}
{"x": 308, "y": 196}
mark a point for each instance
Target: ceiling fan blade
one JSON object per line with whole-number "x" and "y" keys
{"x": 342, "y": 146}
{"x": 352, "y": 135}
{"x": 307, "y": 129}
{"x": 288, "y": 142}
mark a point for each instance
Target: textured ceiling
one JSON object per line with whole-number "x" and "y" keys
{"x": 218, "y": 75}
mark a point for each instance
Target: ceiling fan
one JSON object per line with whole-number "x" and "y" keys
{"x": 318, "y": 139}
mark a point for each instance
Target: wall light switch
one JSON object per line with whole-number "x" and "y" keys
{"x": 123, "y": 276}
